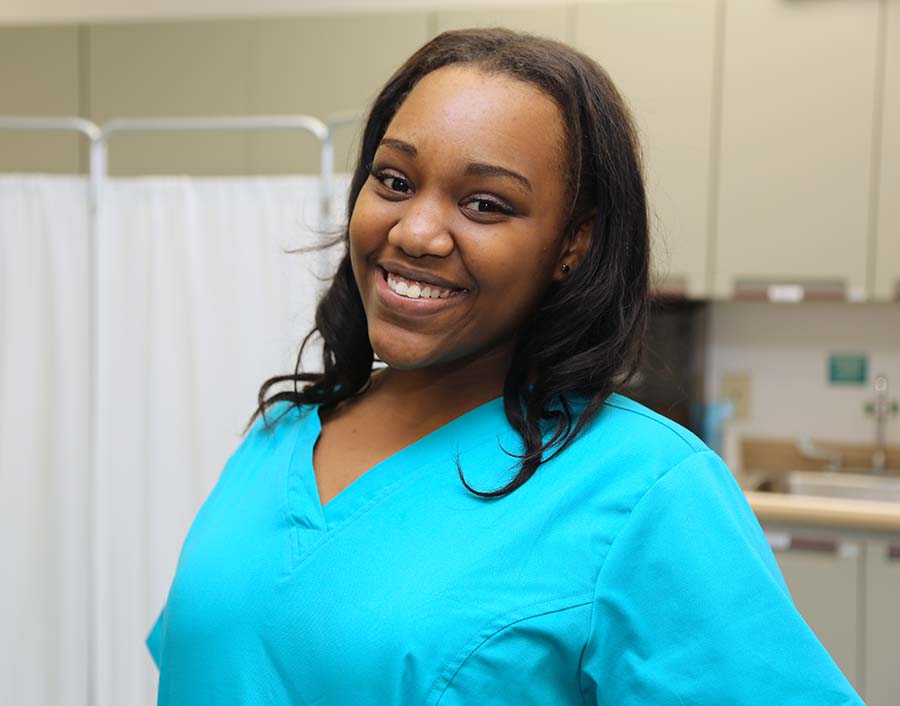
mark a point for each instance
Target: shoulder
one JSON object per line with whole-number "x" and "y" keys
{"x": 623, "y": 412}
{"x": 627, "y": 448}
{"x": 275, "y": 428}
{"x": 642, "y": 470}
{"x": 278, "y": 417}
{"x": 269, "y": 437}
{"x": 625, "y": 430}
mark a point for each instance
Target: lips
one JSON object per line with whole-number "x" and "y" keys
{"x": 404, "y": 305}
{"x": 414, "y": 290}
{"x": 420, "y": 277}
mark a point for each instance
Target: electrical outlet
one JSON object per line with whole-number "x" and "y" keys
{"x": 736, "y": 389}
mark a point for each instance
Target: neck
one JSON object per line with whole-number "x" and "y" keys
{"x": 445, "y": 390}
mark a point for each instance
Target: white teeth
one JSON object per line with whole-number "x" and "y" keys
{"x": 415, "y": 291}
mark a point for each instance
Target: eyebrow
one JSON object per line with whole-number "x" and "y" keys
{"x": 472, "y": 168}
{"x": 482, "y": 169}
{"x": 399, "y": 145}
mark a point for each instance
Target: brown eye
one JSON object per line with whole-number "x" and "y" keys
{"x": 485, "y": 205}
{"x": 396, "y": 184}
{"x": 393, "y": 182}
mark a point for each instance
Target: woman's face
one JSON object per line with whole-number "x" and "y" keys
{"x": 457, "y": 233}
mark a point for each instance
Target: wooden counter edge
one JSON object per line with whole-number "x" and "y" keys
{"x": 827, "y": 512}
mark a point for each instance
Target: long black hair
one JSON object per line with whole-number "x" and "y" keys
{"x": 586, "y": 337}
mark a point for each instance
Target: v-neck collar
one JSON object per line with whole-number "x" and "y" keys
{"x": 303, "y": 501}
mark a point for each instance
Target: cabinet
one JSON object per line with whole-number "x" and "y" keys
{"x": 881, "y": 675}
{"x": 797, "y": 122}
{"x": 822, "y": 575}
{"x": 661, "y": 54}
{"x": 887, "y": 242}
{"x": 770, "y": 128}
{"x": 846, "y": 585}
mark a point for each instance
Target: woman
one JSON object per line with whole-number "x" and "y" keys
{"x": 484, "y": 520}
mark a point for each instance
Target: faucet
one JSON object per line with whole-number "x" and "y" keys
{"x": 882, "y": 408}
{"x": 809, "y": 449}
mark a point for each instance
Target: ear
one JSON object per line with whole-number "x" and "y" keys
{"x": 574, "y": 248}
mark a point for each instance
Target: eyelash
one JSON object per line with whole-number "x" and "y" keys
{"x": 502, "y": 208}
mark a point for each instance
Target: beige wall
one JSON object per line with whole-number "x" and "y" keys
{"x": 784, "y": 349}
{"x": 40, "y": 74}
{"x": 69, "y": 11}
{"x": 246, "y": 67}
{"x": 314, "y": 65}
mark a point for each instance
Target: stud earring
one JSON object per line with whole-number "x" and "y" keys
{"x": 565, "y": 267}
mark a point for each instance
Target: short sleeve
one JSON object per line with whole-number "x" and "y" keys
{"x": 251, "y": 440}
{"x": 691, "y": 608}
{"x": 154, "y": 639}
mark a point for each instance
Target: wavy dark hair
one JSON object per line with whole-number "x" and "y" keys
{"x": 586, "y": 337}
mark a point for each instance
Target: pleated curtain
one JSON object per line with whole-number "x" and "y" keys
{"x": 195, "y": 303}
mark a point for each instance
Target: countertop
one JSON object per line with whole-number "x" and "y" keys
{"x": 825, "y": 512}
{"x": 763, "y": 457}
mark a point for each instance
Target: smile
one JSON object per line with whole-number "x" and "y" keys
{"x": 412, "y": 289}
{"x": 414, "y": 298}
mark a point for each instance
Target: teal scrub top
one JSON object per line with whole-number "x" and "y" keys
{"x": 628, "y": 570}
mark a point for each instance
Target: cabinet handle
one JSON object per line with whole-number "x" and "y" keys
{"x": 893, "y": 552}
{"x": 814, "y": 544}
{"x": 794, "y": 291}
{"x": 783, "y": 541}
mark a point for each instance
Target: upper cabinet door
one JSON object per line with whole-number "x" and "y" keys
{"x": 798, "y": 116}
{"x": 661, "y": 54}
{"x": 887, "y": 246}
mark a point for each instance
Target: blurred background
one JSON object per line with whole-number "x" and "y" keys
{"x": 146, "y": 292}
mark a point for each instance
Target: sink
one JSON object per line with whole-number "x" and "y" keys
{"x": 854, "y": 486}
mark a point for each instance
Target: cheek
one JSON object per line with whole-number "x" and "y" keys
{"x": 370, "y": 222}
{"x": 515, "y": 267}
{"x": 360, "y": 226}
{"x": 367, "y": 233}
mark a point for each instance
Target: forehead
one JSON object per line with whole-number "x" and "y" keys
{"x": 466, "y": 112}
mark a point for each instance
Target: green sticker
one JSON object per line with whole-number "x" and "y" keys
{"x": 847, "y": 368}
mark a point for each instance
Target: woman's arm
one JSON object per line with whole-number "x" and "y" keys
{"x": 691, "y": 608}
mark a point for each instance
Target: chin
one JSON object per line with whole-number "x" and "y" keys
{"x": 403, "y": 362}
{"x": 400, "y": 365}
{"x": 399, "y": 356}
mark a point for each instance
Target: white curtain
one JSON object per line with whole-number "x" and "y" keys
{"x": 197, "y": 304}
{"x": 44, "y": 434}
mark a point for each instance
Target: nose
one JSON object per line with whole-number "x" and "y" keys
{"x": 423, "y": 228}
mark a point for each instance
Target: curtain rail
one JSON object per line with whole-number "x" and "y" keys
{"x": 323, "y": 131}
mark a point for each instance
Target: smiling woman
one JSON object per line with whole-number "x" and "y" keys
{"x": 452, "y": 205}
{"x": 505, "y": 170}
{"x": 496, "y": 262}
